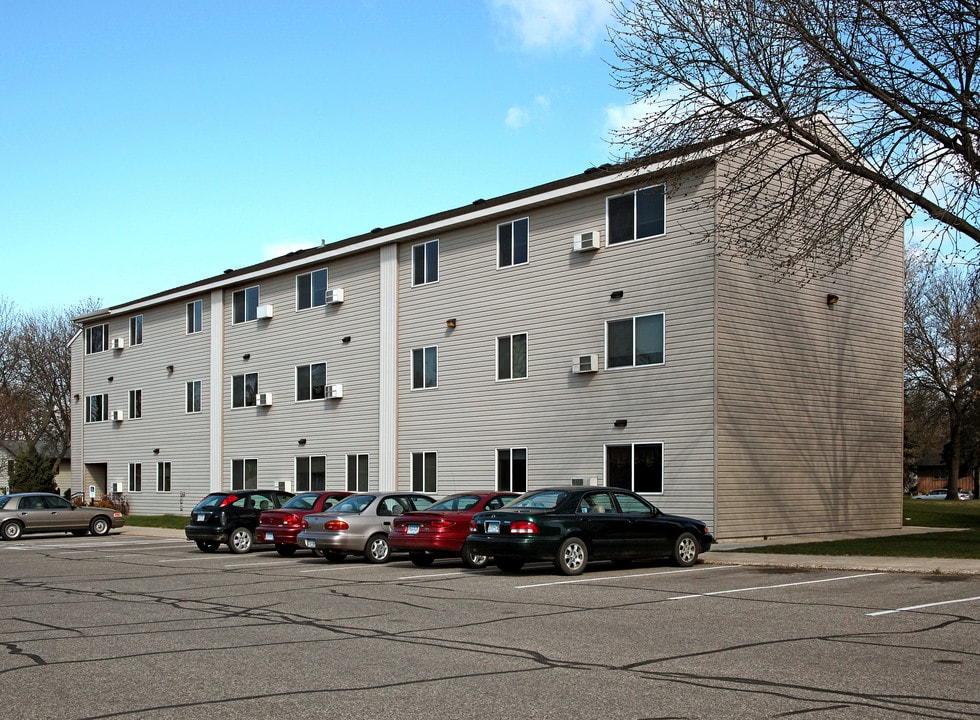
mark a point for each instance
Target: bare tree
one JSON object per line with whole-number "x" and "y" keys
{"x": 942, "y": 336}
{"x": 897, "y": 78}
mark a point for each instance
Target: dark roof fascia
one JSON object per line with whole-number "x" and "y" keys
{"x": 594, "y": 179}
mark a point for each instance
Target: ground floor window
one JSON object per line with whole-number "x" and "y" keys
{"x": 135, "y": 477}
{"x": 424, "y": 472}
{"x": 638, "y": 467}
{"x": 245, "y": 474}
{"x": 357, "y": 473}
{"x": 311, "y": 473}
{"x": 163, "y": 477}
{"x": 512, "y": 469}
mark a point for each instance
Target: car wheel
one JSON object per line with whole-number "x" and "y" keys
{"x": 79, "y": 533}
{"x": 422, "y": 559}
{"x": 208, "y": 546}
{"x": 334, "y": 556}
{"x": 377, "y": 550}
{"x": 240, "y": 540}
{"x": 473, "y": 559}
{"x": 100, "y": 526}
{"x": 286, "y": 550}
{"x": 12, "y": 530}
{"x": 509, "y": 565}
{"x": 572, "y": 556}
{"x": 685, "y": 550}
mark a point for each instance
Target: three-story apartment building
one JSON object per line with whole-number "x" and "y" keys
{"x": 584, "y": 331}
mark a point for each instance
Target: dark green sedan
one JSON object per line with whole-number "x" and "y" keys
{"x": 572, "y": 526}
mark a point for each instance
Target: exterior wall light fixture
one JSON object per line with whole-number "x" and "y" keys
{"x": 345, "y": 339}
{"x": 246, "y": 356}
{"x": 301, "y": 441}
{"x": 156, "y": 451}
{"x": 451, "y": 323}
{"x": 620, "y": 423}
{"x": 170, "y": 368}
{"x": 616, "y": 295}
{"x": 832, "y": 299}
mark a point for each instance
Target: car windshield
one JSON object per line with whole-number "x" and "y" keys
{"x": 547, "y": 499}
{"x": 353, "y": 504}
{"x": 302, "y": 502}
{"x": 456, "y": 503}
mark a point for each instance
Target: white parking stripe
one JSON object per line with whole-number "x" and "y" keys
{"x": 772, "y": 587}
{"x": 621, "y": 577}
{"x": 921, "y": 607}
{"x": 334, "y": 567}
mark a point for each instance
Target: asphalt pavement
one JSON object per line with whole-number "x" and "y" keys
{"x": 729, "y": 553}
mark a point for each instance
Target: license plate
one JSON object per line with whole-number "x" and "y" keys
{"x": 310, "y": 543}
{"x": 493, "y": 527}
{"x": 268, "y": 537}
{"x": 413, "y": 530}
{"x": 200, "y": 517}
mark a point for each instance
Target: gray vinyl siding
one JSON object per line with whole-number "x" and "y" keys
{"x": 331, "y": 427}
{"x": 561, "y": 299}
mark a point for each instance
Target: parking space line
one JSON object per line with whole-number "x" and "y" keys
{"x": 333, "y": 567}
{"x": 922, "y": 607}
{"x": 620, "y": 577}
{"x": 773, "y": 587}
{"x": 254, "y": 564}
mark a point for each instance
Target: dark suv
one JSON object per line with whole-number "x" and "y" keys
{"x": 231, "y": 517}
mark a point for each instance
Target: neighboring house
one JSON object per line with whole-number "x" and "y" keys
{"x": 581, "y": 331}
{"x": 8, "y": 452}
{"x": 933, "y": 474}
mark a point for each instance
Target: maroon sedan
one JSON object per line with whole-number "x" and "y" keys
{"x": 283, "y": 525}
{"x": 441, "y": 529}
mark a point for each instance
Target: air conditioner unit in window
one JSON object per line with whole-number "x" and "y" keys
{"x": 335, "y": 296}
{"x": 118, "y": 343}
{"x": 263, "y": 312}
{"x": 335, "y": 391}
{"x": 264, "y": 399}
{"x": 585, "y": 364}
{"x": 118, "y": 416}
{"x": 588, "y": 240}
{"x": 284, "y": 486}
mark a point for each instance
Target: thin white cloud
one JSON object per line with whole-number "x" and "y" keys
{"x": 553, "y": 24}
{"x": 274, "y": 250}
{"x": 517, "y": 118}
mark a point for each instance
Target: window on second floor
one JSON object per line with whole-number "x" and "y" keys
{"x": 311, "y": 473}
{"x": 512, "y": 357}
{"x": 425, "y": 263}
{"x": 244, "y": 390}
{"x": 193, "y": 397}
{"x": 311, "y": 289}
{"x": 245, "y": 474}
{"x": 512, "y": 243}
{"x": 97, "y": 338}
{"x": 635, "y": 341}
{"x": 135, "y": 404}
{"x": 246, "y": 304}
{"x": 96, "y": 408}
{"x": 425, "y": 367}
{"x": 311, "y": 381}
{"x": 195, "y": 316}
{"x": 636, "y": 215}
{"x": 424, "y": 472}
{"x": 136, "y": 330}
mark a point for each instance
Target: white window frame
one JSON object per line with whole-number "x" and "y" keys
{"x": 245, "y": 399}
{"x": 136, "y": 330}
{"x": 635, "y": 195}
{"x": 419, "y": 484}
{"x": 193, "y": 397}
{"x": 249, "y": 305}
{"x": 105, "y": 342}
{"x": 632, "y": 446}
{"x": 429, "y": 274}
{"x": 425, "y": 366}
{"x": 313, "y": 389}
{"x": 309, "y": 460}
{"x": 135, "y": 477}
{"x": 527, "y": 242}
{"x": 510, "y": 468}
{"x": 357, "y": 462}
{"x": 164, "y": 476}
{"x": 317, "y": 298}
{"x": 244, "y": 464}
{"x": 512, "y": 376}
{"x": 135, "y": 404}
{"x": 195, "y": 317}
{"x": 103, "y": 409}
{"x": 634, "y": 364}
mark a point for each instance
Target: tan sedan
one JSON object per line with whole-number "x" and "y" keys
{"x": 38, "y": 512}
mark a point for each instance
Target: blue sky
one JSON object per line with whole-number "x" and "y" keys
{"x": 144, "y": 145}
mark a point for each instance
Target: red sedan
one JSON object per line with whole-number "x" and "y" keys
{"x": 441, "y": 529}
{"x": 283, "y": 525}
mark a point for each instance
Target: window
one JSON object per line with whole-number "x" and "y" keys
{"x": 135, "y": 477}
{"x": 425, "y": 263}
{"x": 96, "y": 408}
{"x": 512, "y": 469}
{"x": 245, "y": 302}
{"x": 424, "y": 472}
{"x": 635, "y": 341}
{"x": 135, "y": 404}
{"x": 425, "y": 367}
{"x": 163, "y": 477}
{"x": 311, "y": 289}
{"x": 195, "y": 314}
{"x": 357, "y": 473}
{"x": 311, "y": 382}
{"x": 193, "y": 404}
{"x": 636, "y": 215}
{"x": 97, "y": 339}
{"x": 136, "y": 330}
{"x": 245, "y": 474}
{"x": 512, "y": 357}
{"x": 637, "y": 467}
{"x": 244, "y": 389}
{"x": 512, "y": 243}
{"x": 311, "y": 473}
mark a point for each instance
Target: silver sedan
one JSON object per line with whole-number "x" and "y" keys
{"x": 39, "y": 512}
{"x": 360, "y": 524}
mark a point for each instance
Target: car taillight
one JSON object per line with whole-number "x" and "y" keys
{"x": 304, "y": 524}
{"x": 335, "y": 525}
{"x": 441, "y": 523}
{"x": 474, "y": 528}
{"x": 523, "y": 527}
{"x": 228, "y": 500}
{"x": 291, "y": 519}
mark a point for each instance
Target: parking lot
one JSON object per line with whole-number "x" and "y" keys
{"x": 140, "y": 627}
